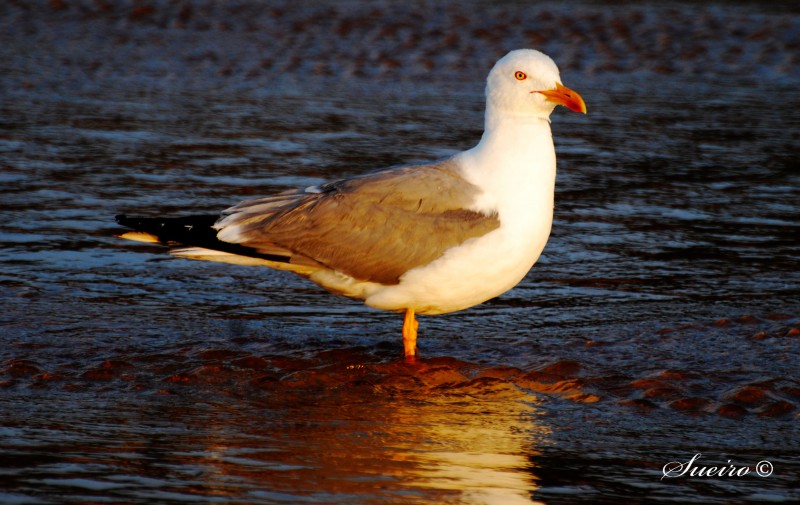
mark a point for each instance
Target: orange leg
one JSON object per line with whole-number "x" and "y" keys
{"x": 410, "y": 326}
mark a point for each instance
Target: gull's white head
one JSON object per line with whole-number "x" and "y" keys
{"x": 526, "y": 83}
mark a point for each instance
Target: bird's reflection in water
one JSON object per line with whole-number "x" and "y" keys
{"x": 472, "y": 447}
{"x": 349, "y": 435}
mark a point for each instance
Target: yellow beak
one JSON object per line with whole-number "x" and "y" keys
{"x": 562, "y": 95}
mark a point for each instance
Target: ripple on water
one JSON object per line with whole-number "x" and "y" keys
{"x": 661, "y": 321}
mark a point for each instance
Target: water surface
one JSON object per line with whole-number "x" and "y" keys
{"x": 662, "y": 320}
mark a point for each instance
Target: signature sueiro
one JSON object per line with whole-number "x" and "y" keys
{"x": 692, "y": 468}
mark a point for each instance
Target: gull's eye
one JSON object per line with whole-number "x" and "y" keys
{"x": 520, "y": 75}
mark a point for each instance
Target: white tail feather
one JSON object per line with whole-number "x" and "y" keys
{"x": 203, "y": 254}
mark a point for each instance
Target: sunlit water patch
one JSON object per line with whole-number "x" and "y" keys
{"x": 662, "y": 320}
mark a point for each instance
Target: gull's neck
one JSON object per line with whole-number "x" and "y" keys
{"x": 515, "y": 132}
{"x": 499, "y": 118}
{"x": 512, "y": 144}
{"x": 513, "y": 163}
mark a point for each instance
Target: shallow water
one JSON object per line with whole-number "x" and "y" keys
{"x": 662, "y": 320}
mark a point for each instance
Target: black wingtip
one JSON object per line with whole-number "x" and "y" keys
{"x": 187, "y": 230}
{"x": 195, "y": 231}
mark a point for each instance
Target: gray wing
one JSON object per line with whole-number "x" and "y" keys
{"x": 373, "y": 228}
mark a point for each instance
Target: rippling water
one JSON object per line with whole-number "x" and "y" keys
{"x": 662, "y": 320}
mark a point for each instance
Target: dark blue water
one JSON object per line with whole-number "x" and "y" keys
{"x": 662, "y": 320}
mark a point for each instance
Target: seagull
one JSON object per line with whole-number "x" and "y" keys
{"x": 428, "y": 238}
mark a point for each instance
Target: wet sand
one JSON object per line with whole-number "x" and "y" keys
{"x": 662, "y": 320}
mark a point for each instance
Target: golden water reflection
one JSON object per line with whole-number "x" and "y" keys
{"x": 477, "y": 448}
{"x": 366, "y": 442}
